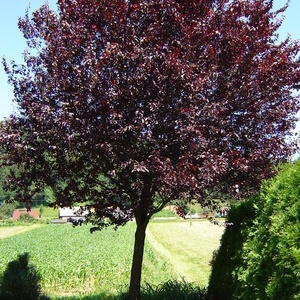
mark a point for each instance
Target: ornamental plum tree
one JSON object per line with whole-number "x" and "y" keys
{"x": 125, "y": 105}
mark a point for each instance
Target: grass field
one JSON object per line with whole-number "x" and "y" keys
{"x": 13, "y": 230}
{"x": 188, "y": 248}
{"x": 74, "y": 262}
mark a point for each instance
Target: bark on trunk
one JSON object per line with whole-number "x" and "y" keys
{"x": 137, "y": 261}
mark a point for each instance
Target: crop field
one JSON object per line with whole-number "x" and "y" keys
{"x": 74, "y": 262}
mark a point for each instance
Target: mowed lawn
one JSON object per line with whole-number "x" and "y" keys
{"x": 13, "y": 230}
{"x": 188, "y": 248}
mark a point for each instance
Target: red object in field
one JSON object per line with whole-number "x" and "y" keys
{"x": 17, "y": 213}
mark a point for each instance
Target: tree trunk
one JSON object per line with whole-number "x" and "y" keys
{"x": 137, "y": 261}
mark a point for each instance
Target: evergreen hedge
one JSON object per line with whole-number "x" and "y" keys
{"x": 259, "y": 256}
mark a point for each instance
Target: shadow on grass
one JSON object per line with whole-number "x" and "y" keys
{"x": 171, "y": 289}
{"x": 21, "y": 281}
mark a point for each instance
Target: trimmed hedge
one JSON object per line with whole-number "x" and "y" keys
{"x": 259, "y": 256}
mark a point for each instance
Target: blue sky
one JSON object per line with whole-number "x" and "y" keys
{"x": 12, "y": 43}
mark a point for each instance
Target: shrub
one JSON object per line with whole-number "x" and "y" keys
{"x": 259, "y": 256}
{"x": 223, "y": 278}
{"x": 7, "y": 222}
{"x": 41, "y": 210}
{"x": 6, "y": 210}
{"x": 172, "y": 289}
{"x": 26, "y": 218}
{"x": 20, "y": 281}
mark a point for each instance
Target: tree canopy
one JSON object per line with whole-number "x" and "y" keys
{"x": 130, "y": 104}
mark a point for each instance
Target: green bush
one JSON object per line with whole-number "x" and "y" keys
{"x": 6, "y": 210}
{"x": 7, "y": 222}
{"x": 172, "y": 289}
{"x": 223, "y": 278}
{"x": 20, "y": 281}
{"x": 259, "y": 256}
{"x": 41, "y": 210}
{"x": 26, "y": 218}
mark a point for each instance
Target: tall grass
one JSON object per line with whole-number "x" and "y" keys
{"x": 169, "y": 290}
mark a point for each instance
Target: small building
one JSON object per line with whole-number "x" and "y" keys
{"x": 75, "y": 213}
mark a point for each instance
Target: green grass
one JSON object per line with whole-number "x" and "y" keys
{"x": 188, "y": 248}
{"x": 165, "y": 213}
{"x": 77, "y": 265}
{"x": 8, "y": 231}
{"x": 49, "y": 212}
{"x": 171, "y": 289}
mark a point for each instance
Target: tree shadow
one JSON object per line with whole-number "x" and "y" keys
{"x": 21, "y": 281}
